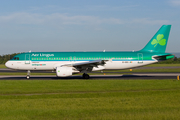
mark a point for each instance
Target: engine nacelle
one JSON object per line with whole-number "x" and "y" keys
{"x": 64, "y": 71}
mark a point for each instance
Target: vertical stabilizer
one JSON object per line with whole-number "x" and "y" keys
{"x": 159, "y": 41}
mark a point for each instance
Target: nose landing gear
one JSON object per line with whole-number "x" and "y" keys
{"x": 28, "y": 74}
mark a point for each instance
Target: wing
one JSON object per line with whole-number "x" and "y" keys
{"x": 87, "y": 66}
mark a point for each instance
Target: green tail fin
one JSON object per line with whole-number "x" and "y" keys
{"x": 159, "y": 41}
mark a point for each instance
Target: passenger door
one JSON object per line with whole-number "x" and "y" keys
{"x": 27, "y": 59}
{"x": 140, "y": 58}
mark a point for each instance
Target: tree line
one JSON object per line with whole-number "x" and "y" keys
{"x": 5, "y": 58}
{"x": 174, "y": 60}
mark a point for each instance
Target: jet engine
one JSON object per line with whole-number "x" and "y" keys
{"x": 64, "y": 71}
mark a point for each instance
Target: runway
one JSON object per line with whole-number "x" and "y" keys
{"x": 117, "y": 75}
{"x": 144, "y": 76}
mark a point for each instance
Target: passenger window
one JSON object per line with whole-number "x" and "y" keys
{"x": 17, "y": 58}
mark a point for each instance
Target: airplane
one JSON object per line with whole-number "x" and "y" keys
{"x": 69, "y": 63}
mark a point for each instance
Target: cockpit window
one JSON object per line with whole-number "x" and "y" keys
{"x": 15, "y": 58}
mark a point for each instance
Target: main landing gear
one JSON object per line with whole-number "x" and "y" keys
{"x": 85, "y": 76}
{"x": 28, "y": 74}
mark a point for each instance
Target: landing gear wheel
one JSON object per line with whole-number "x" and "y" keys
{"x": 27, "y": 76}
{"x": 85, "y": 76}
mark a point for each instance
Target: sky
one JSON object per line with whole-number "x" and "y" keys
{"x": 85, "y": 25}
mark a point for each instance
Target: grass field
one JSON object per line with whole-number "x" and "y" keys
{"x": 2, "y": 66}
{"x": 169, "y": 70}
{"x": 162, "y": 65}
{"x": 89, "y": 99}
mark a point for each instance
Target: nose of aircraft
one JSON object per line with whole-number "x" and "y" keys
{"x": 7, "y": 64}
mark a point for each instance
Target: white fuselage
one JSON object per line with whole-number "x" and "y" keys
{"x": 51, "y": 65}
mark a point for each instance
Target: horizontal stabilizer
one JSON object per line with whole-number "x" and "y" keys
{"x": 164, "y": 57}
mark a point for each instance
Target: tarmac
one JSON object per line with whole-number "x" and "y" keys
{"x": 144, "y": 76}
{"x": 117, "y": 75}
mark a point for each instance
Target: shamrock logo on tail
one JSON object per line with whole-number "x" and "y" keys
{"x": 159, "y": 40}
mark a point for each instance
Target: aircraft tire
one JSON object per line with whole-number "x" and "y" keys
{"x": 85, "y": 76}
{"x": 27, "y": 77}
